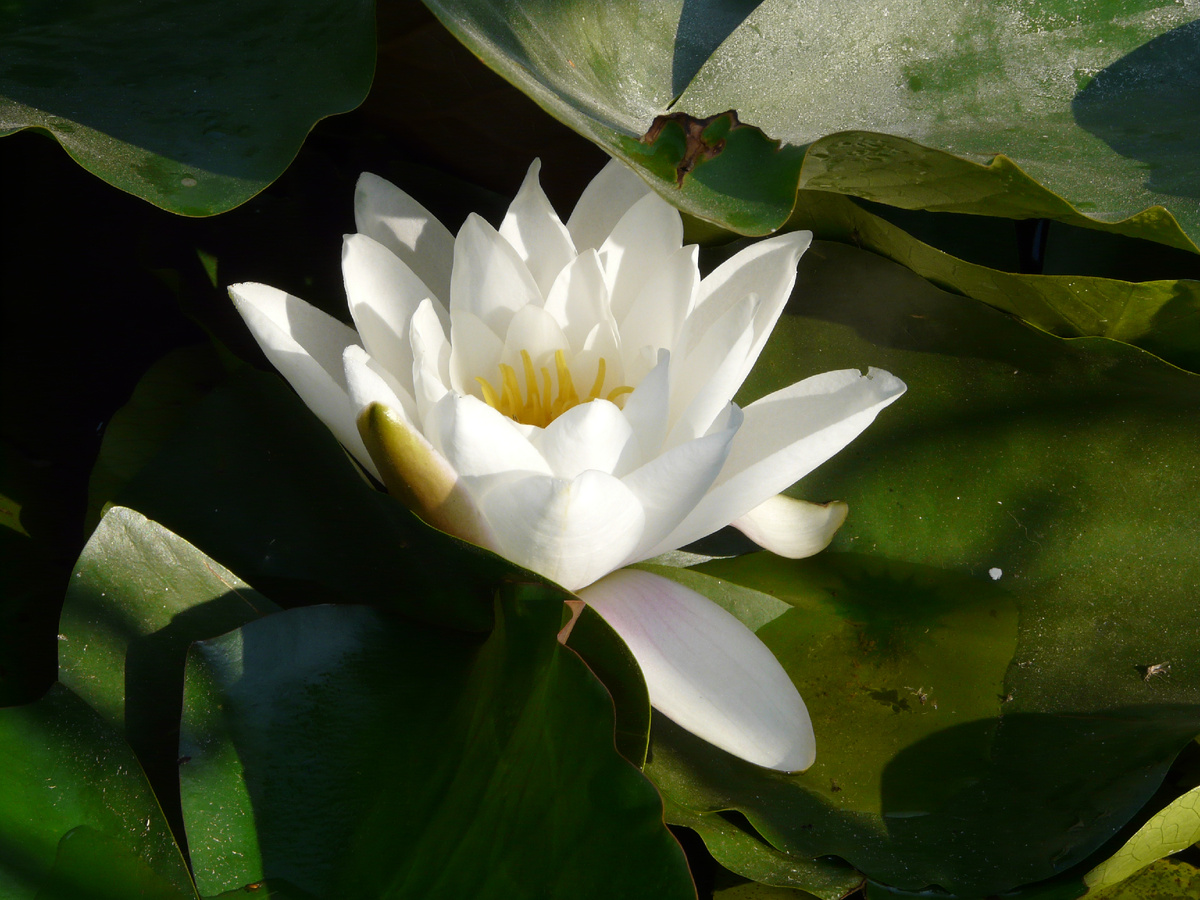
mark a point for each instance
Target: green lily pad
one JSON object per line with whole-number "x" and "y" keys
{"x": 138, "y": 598}
{"x": 349, "y": 754}
{"x": 71, "y": 791}
{"x": 1020, "y": 472}
{"x": 1082, "y": 115}
{"x": 195, "y": 107}
{"x": 1172, "y": 829}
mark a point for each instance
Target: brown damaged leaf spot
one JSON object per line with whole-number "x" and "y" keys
{"x": 697, "y": 148}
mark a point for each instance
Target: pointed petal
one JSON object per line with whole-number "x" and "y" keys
{"x": 417, "y": 475}
{"x": 647, "y": 410}
{"x": 704, "y": 382}
{"x": 671, "y": 484}
{"x": 662, "y": 305}
{"x": 573, "y": 532}
{"x": 785, "y": 436}
{"x": 306, "y": 346}
{"x": 706, "y": 671}
{"x": 602, "y": 204}
{"x": 383, "y": 294}
{"x": 431, "y": 361}
{"x": 792, "y": 528}
{"x": 489, "y": 279}
{"x": 640, "y": 244}
{"x": 589, "y": 436}
{"x": 578, "y": 299}
{"x": 535, "y": 231}
{"x": 475, "y": 352}
{"x": 384, "y": 212}
{"x": 536, "y": 331}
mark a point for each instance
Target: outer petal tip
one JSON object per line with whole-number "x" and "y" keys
{"x": 707, "y": 671}
{"x": 792, "y": 528}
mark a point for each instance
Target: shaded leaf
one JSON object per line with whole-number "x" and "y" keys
{"x": 480, "y": 767}
{"x": 62, "y": 769}
{"x": 194, "y": 107}
{"x": 1174, "y": 828}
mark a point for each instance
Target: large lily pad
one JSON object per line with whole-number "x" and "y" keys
{"x": 478, "y": 767}
{"x": 138, "y": 598}
{"x": 1093, "y": 109}
{"x": 1020, "y": 471}
{"x": 70, "y": 785}
{"x": 195, "y": 107}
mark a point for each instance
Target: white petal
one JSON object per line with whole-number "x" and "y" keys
{"x": 640, "y": 244}
{"x": 383, "y": 294}
{"x": 534, "y": 230}
{"x": 475, "y": 352}
{"x": 431, "y": 361}
{"x": 588, "y": 436}
{"x": 647, "y": 410}
{"x": 489, "y": 279}
{"x": 602, "y": 204}
{"x": 706, "y": 671}
{"x": 578, "y": 299}
{"x": 573, "y": 532}
{"x": 478, "y": 440}
{"x": 790, "y": 527}
{"x": 785, "y": 436}
{"x": 536, "y": 331}
{"x": 704, "y": 381}
{"x": 384, "y": 212}
{"x": 306, "y": 346}
{"x": 663, "y": 304}
{"x": 368, "y": 382}
{"x": 671, "y": 484}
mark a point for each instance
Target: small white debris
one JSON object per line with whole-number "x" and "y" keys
{"x": 995, "y": 573}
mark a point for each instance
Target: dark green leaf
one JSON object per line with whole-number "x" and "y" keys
{"x": 195, "y": 107}
{"x": 350, "y": 755}
{"x": 70, "y": 788}
{"x": 1015, "y": 471}
{"x": 138, "y": 598}
{"x": 92, "y": 866}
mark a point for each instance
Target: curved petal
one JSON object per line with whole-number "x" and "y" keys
{"x": 671, "y": 484}
{"x": 478, "y": 440}
{"x": 368, "y": 382}
{"x": 602, "y": 203}
{"x": 573, "y": 532}
{"x": 383, "y": 294}
{"x": 640, "y": 244}
{"x": 384, "y": 212}
{"x": 588, "y": 436}
{"x": 489, "y": 279}
{"x": 706, "y": 671}
{"x": 647, "y": 410}
{"x": 785, "y": 436}
{"x": 431, "y": 360}
{"x": 535, "y": 231}
{"x": 306, "y": 346}
{"x": 792, "y": 528}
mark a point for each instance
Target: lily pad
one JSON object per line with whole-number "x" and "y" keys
{"x": 139, "y": 596}
{"x": 996, "y": 110}
{"x": 1013, "y": 475}
{"x": 479, "y": 766}
{"x": 195, "y": 107}
{"x": 70, "y": 785}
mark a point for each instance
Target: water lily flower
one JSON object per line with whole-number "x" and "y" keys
{"x": 562, "y": 394}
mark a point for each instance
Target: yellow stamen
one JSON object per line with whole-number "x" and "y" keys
{"x": 539, "y": 405}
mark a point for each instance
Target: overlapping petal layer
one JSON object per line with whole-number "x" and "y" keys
{"x": 562, "y": 393}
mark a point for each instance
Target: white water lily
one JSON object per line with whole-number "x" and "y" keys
{"x": 561, "y": 394}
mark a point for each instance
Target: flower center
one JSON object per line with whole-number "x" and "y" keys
{"x": 540, "y": 406}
